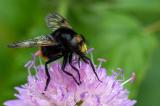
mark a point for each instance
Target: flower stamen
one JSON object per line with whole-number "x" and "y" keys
{"x": 90, "y": 50}
{"x": 131, "y": 79}
{"x": 101, "y": 60}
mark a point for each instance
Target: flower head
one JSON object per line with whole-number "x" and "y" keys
{"x": 63, "y": 91}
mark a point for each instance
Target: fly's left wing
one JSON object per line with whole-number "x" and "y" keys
{"x": 55, "y": 21}
{"x": 35, "y": 42}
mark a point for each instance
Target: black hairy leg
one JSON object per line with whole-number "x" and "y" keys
{"x": 70, "y": 62}
{"x": 79, "y": 61}
{"x": 86, "y": 59}
{"x": 65, "y": 60}
{"x": 46, "y": 69}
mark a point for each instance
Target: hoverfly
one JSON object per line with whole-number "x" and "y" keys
{"x": 62, "y": 42}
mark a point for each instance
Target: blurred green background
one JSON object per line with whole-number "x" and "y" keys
{"x": 125, "y": 32}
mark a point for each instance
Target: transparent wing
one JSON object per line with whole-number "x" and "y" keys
{"x": 35, "y": 42}
{"x": 55, "y": 21}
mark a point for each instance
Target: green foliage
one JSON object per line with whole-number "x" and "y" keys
{"x": 122, "y": 31}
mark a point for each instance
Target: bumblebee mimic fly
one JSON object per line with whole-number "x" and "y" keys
{"x": 63, "y": 41}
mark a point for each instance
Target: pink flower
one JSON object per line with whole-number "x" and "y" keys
{"x": 63, "y": 91}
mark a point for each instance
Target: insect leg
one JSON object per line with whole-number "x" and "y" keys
{"x": 46, "y": 69}
{"x": 79, "y": 60}
{"x": 70, "y": 62}
{"x": 93, "y": 68}
{"x": 63, "y": 68}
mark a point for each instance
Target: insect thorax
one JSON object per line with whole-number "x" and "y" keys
{"x": 63, "y": 34}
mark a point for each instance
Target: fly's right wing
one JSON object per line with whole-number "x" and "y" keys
{"x": 35, "y": 42}
{"x": 55, "y": 21}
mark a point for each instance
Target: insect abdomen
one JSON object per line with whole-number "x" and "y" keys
{"x": 50, "y": 51}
